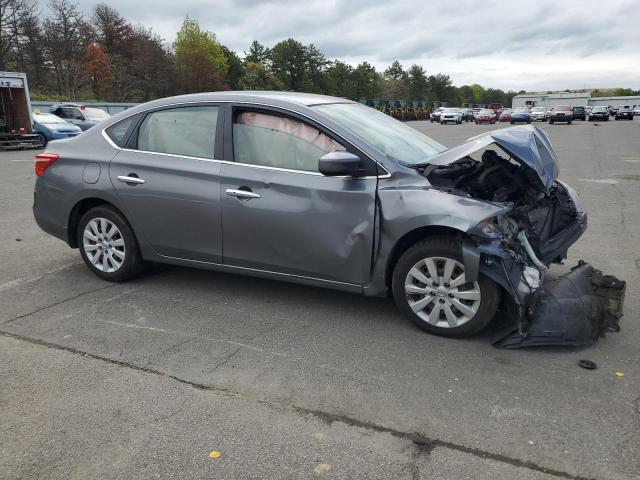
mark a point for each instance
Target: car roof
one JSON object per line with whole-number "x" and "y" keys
{"x": 301, "y": 98}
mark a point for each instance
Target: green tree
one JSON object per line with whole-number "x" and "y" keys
{"x": 340, "y": 81}
{"x": 257, "y": 77}
{"x": 366, "y": 81}
{"x": 236, "y": 69}
{"x": 257, "y": 53}
{"x": 418, "y": 83}
{"x": 395, "y": 82}
{"x": 288, "y": 64}
{"x": 200, "y": 61}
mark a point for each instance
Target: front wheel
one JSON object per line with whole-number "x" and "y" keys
{"x": 108, "y": 246}
{"x": 429, "y": 287}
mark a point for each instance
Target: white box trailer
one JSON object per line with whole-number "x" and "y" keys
{"x": 16, "y": 121}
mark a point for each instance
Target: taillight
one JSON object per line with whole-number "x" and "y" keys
{"x": 44, "y": 161}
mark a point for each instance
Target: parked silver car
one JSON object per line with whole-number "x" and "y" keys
{"x": 538, "y": 114}
{"x": 453, "y": 115}
{"x": 315, "y": 190}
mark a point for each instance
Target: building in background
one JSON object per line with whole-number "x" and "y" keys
{"x": 578, "y": 99}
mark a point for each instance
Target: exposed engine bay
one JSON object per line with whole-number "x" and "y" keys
{"x": 516, "y": 248}
{"x": 541, "y": 213}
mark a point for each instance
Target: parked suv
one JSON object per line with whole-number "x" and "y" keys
{"x": 80, "y": 115}
{"x": 435, "y": 115}
{"x": 624, "y": 113}
{"x": 579, "y": 113}
{"x": 451, "y": 115}
{"x": 561, "y": 113}
{"x": 315, "y": 190}
{"x": 599, "y": 112}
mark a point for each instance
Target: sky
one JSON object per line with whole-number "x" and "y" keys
{"x": 532, "y": 45}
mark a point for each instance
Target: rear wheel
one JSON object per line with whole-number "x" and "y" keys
{"x": 108, "y": 246}
{"x": 42, "y": 139}
{"x": 430, "y": 288}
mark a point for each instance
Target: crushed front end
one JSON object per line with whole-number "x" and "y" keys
{"x": 516, "y": 168}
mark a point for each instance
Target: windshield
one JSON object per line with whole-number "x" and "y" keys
{"x": 521, "y": 110}
{"x": 600, "y": 109}
{"x": 451, "y": 110}
{"x": 537, "y": 109}
{"x": 47, "y": 119}
{"x": 95, "y": 114}
{"x": 396, "y": 140}
{"x": 486, "y": 112}
{"x": 563, "y": 107}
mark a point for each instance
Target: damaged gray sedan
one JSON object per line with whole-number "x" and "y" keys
{"x": 320, "y": 191}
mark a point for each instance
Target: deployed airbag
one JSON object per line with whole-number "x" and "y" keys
{"x": 573, "y": 310}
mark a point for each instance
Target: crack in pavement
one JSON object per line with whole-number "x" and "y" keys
{"x": 55, "y": 304}
{"x": 424, "y": 443}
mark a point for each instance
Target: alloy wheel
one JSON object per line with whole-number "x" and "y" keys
{"x": 438, "y": 292}
{"x": 104, "y": 245}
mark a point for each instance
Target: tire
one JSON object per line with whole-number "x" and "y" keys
{"x": 442, "y": 250}
{"x": 550, "y": 122}
{"x": 569, "y": 122}
{"x": 109, "y": 264}
{"x": 511, "y": 122}
{"x": 528, "y": 122}
{"x": 43, "y": 140}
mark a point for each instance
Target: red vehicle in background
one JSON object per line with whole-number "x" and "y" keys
{"x": 485, "y": 116}
{"x": 505, "y": 115}
{"x": 496, "y": 107}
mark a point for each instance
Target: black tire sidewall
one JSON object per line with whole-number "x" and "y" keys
{"x": 443, "y": 247}
{"x": 133, "y": 263}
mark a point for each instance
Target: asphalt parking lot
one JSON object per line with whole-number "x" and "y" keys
{"x": 146, "y": 379}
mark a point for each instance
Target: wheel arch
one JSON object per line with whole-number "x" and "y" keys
{"x": 83, "y": 206}
{"x": 410, "y": 238}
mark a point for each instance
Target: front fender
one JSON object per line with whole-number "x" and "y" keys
{"x": 403, "y": 210}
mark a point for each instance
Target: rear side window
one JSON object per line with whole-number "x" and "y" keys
{"x": 188, "y": 131}
{"x": 119, "y": 132}
{"x": 279, "y": 141}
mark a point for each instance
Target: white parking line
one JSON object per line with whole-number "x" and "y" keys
{"x": 608, "y": 181}
{"x": 23, "y": 160}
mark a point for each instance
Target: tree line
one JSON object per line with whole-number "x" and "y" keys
{"x": 71, "y": 55}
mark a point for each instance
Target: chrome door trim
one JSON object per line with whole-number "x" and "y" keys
{"x": 126, "y": 179}
{"x": 242, "y": 193}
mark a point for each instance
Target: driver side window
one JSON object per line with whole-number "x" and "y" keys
{"x": 279, "y": 141}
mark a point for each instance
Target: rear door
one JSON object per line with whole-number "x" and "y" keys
{"x": 280, "y": 214}
{"x": 169, "y": 180}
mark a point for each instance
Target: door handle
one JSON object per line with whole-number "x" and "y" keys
{"x": 242, "y": 193}
{"x": 131, "y": 178}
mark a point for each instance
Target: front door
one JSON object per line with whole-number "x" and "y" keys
{"x": 280, "y": 214}
{"x": 169, "y": 182}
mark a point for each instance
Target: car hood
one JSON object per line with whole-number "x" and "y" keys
{"x": 61, "y": 127}
{"x": 528, "y": 145}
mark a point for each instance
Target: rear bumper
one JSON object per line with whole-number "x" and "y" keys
{"x": 46, "y": 212}
{"x": 561, "y": 118}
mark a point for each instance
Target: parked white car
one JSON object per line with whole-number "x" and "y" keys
{"x": 636, "y": 110}
{"x": 451, "y": 115}
{"x": 538, "y": 114}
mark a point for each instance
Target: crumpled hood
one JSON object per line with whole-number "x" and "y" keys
{"x": 528, "y": 145}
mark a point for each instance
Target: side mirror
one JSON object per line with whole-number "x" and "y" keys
{"x": 336, "y": 164}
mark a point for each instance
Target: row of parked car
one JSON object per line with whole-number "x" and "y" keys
{"x": 65, "y": 120}
{"x": 559, "y": 114}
